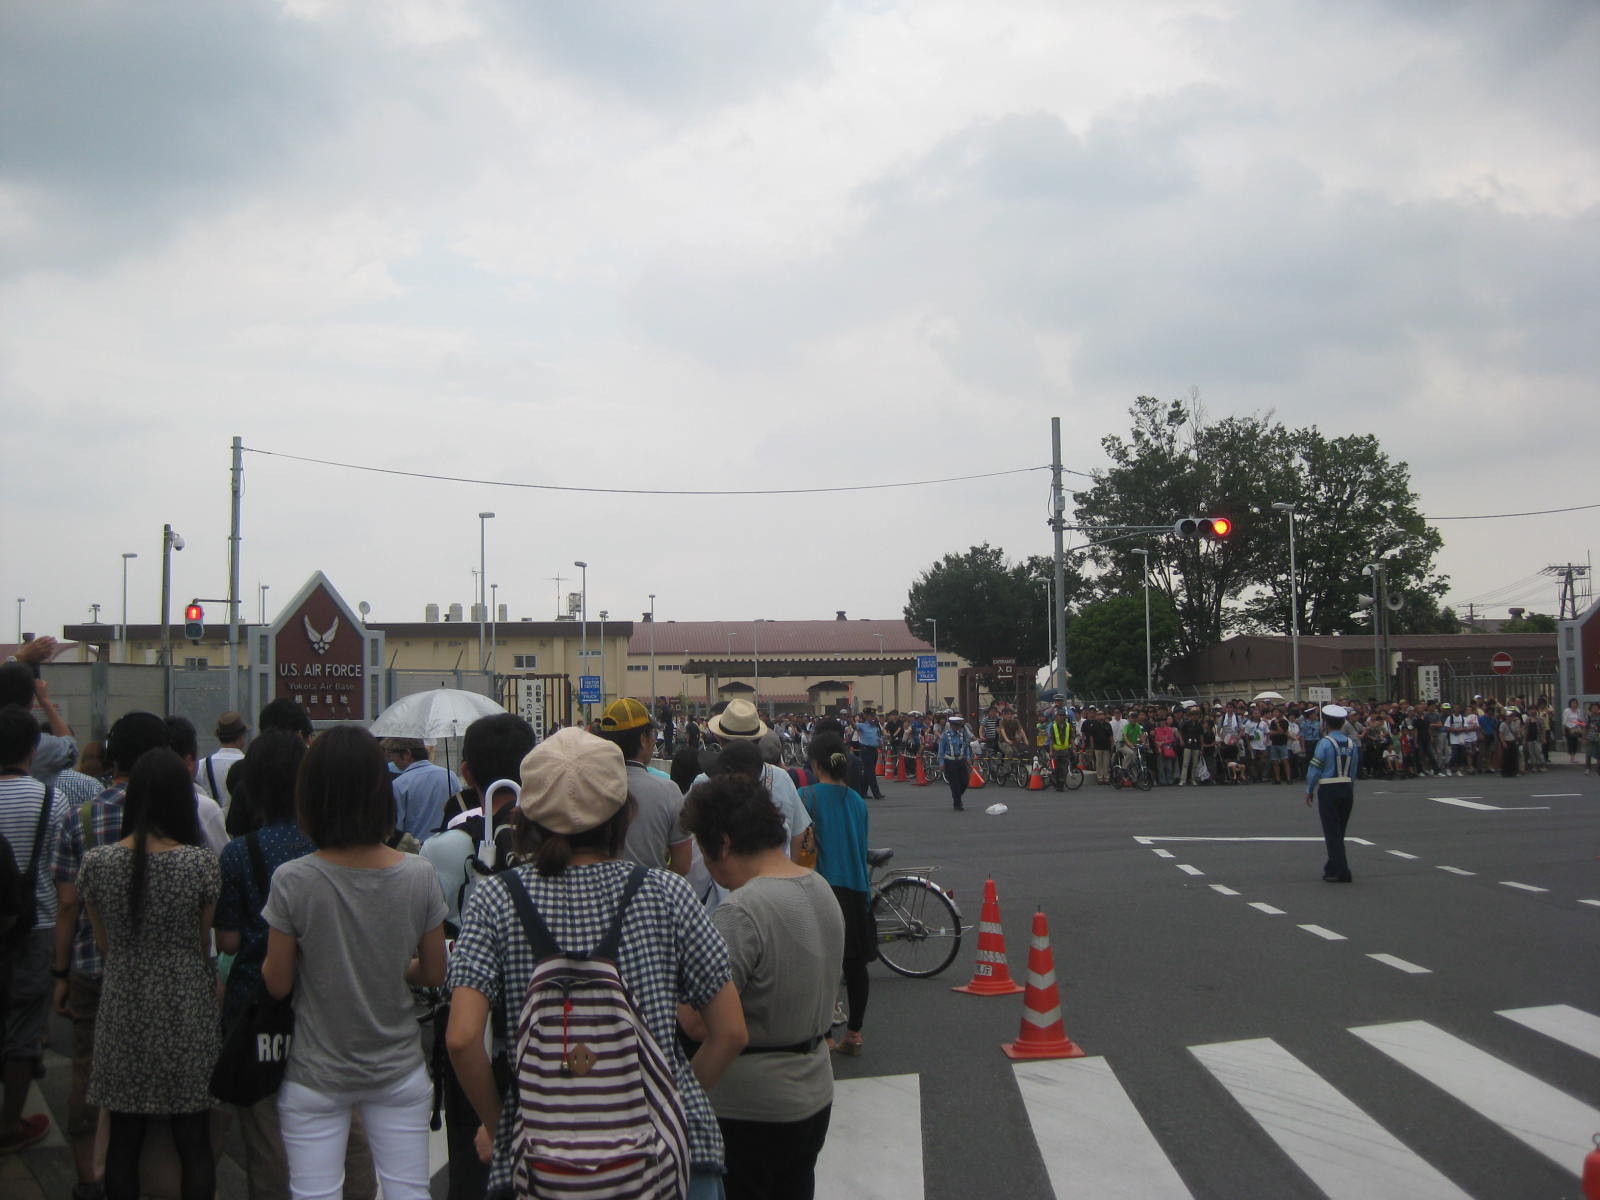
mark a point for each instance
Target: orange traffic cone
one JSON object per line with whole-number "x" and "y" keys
{"x": 899, "y": 768}
{"x": 1042, "y": 1034}
{"x": 975, "y": 780}
{"x": 878, "y": 770}
{"x": 922, "y": 776}
{"x": 991, "y": 976}
{"x": 1035, "y": 780}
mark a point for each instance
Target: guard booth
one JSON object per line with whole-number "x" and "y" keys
{"x": 1578, "y": 653}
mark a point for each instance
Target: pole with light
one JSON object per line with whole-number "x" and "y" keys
{"x": 653, "y": 697}
{"x": 483, "y": 588}
{"x": 603, "y": 615}
{"x": 1149, "y": 670}
{"x": 755, "y": 659}
{"x": 934, "y": 621}
{"x": 494, "y": 622}
{"x": 20, "y": 602}
{"x": 170, "y": 541}
{"x": 1284, "y": 506}
{"x": 583, "y": 619}
{"x": 879, "y": 636}
{"x": 1375, "y": 570}
{"x": 125, "y": 557}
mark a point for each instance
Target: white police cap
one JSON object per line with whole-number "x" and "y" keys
{"x": 1335, "y": 710}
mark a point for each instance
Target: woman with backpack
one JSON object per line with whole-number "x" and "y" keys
{"x": 785, "y": 939}
{"x": 353, "y": 926}
{"x": 626, "y": 945}
{"x": 150, "y": 897}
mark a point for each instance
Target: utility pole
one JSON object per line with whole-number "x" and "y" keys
{"x": 237, "y": 482}
{"x": 1058, "y": 520}
{"x": 1569, "y": 574}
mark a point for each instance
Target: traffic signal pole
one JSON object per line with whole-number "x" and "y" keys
{"x": 1058, "y": 522}
{"x": 233, "y": 578}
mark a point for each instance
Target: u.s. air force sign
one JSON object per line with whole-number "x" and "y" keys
{"x": 318, "y": 654}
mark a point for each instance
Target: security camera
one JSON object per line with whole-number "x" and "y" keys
{"x": 177, "y": 541}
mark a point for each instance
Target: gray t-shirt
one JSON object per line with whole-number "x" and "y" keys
{"x": 785, "y": 942}
{"x": 358, "y": 928}
{"x": 659, "y": 821}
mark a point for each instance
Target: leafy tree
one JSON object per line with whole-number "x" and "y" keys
{"x": 1530, "y": 623}
{"x": 1105, "y": 645}
{"x": 988, "y": 607}
{"x": 1353, "y": 506}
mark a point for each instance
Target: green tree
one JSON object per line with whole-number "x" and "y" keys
{"x": 988, "y": 607}
{"x": 1105, "y": 646}
{"x": 1530, "y": 623}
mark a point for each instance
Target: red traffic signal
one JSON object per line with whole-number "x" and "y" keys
{"x": 194, "y": 623}
{"x": 1202, "y": 527}
{"x": 1220, "y": 527}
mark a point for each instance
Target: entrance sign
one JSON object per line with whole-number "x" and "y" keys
{"x": 1319, "y": 695}
{"x": 531, "y": 704}
{"x": 1427, "y": 683}
{"x": 927, "y": 668}
{"x": 588, "y": 689}
{"x": 1005, "y": 668}
{"x": 1501, "y": 663}
{"x": 318, "y": 654}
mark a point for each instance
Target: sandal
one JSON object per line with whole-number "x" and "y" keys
{"x": 851, "y": 1045}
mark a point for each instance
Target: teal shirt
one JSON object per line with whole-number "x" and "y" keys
{"x": 839, "y": 817}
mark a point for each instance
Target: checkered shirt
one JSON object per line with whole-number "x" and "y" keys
{"x": 670, "y": 952}
{"x": 105, "y": 821}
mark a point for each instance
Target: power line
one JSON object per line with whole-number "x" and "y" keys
{"x": 604, "y": 491}
{"x": 1543, "y": 512}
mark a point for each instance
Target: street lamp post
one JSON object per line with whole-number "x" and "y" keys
{"x": 1149, "y": 671}
{"x": 603, "y": 615}
{"x": 653, "y": 696}
{"x": 125, "y": 557}
{"x": 1375, "y": 570}
{"x": 20, "y": 602}
{"x": 1284, "y": 506}
{"x": 170, "y": 541}
{"x": 494, "y": 622}
{"x": 483, "y": 586}
{"x": 879, "y": 636}
{"x": 583, "y": 619}
{"x": 934, "y": 621}
{"x": 755, "y": 658}
{"x": 262, "y": 589}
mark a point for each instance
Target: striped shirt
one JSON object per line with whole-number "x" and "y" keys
{"x": 105, "y": 825}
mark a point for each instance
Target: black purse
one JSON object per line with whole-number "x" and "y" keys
{"x": 255, "y": 1052}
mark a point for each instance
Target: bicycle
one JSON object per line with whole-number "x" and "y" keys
{"x": 1067, "y": 772}
{"x": 932, "y": 768}
{"x": 919, "y": 925}
{"x": 1138, "y": 775}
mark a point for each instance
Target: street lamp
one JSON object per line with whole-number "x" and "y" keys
{"x": 934, "y": 621}
{"x": 20, "y": 602}
{"x": 262, "y": 588}
{"x": 170, "y": 541}
{"x": 494, "y": 622}
{"x": 1149, "y": 672}
{"x": 603, "y": 615}
{"x": 583, "y": 619}
{"x": 1284, "y": 506}
{"x": 483, "y": 585}
{"x": 653, "y": 696}
{"x": 1379, "y": 667}
{"x": 879, "y": 636}
{"x": 126, "y": 556}
{"x": 755, "y": 658}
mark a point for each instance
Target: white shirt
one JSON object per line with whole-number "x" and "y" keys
{"x": 212, "y": 830}
{"x": 217, "y": 765}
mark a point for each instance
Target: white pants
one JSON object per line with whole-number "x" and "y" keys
{"x": 315, "y": 1126}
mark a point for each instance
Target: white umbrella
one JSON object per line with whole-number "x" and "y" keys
{"x": 1269, "y": 696}
{"x": 438, "y": 713}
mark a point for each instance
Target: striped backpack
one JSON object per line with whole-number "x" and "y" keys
{"x": 598, "y": 1112}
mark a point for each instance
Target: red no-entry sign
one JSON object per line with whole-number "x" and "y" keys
{"x": 1500, "y": 664}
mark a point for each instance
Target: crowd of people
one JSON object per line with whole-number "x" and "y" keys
{"x": 556, "y": 931}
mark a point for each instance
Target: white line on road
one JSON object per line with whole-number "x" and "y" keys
{"x": 1458, "y": 871}
{"x": 1549, "y": 1120}
{"x": 1146, "y": 839}
{"x": 1326, "y": 934}
{"x": 1159, "y": 853}
{"x": 1228, "y": 891}
{"x": 1263, "y": 906}
{"x": 1471, "y": 802}
{"x": 1554, "y": 795}
{"x": 1596, "y": 903}
{"x": 1525, "y": 887}
{"x": 876, "y": 1150}
{"x": 1400, "y": 964}
{"x": 1092, "y": 1138}
{"x": 1188, "y": 870}
{"x": 1400, "y": 854}
{"x": 1345, "y": 1152}
{"x": 1566, "y": 1024}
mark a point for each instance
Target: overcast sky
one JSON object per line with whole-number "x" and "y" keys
{"x": 721, "y": 244}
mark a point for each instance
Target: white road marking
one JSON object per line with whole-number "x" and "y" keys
{"x": 1526, "y": 887}
{"x": 875, "y": 1149}
{"x": 1458, "y": 871}
{"x": 1263, "y": 906}
{"x": 1400, "y": 854}
{"x": 1566, "y": 1024}
{"x": 1400, "y": 964}
{"x": 1596, "y": 903}
{"x": 1159, "y": 853}
{"x": 1554, "y": 795}
{"x": 1345, "y": 1152}
{"x": 1092, "y": 1138}
{"x": 1146, "y": 839}
{"x": 1188, "y": 870}
{"x": 1327, "y": 934}
{"x": 1228, "y": 891}
{"x": 1472, "y": 802}
{"x": 1543, "y": 1117}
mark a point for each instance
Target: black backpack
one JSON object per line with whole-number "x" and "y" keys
{"x": 17, "y": 887}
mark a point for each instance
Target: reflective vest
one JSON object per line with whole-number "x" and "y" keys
{"x": 1344, "y": 752}
{"x": 1060, "y": 736}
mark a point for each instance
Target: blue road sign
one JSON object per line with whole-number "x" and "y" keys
{"x": 588, "y": 689}
{"x": 927, "y": 668}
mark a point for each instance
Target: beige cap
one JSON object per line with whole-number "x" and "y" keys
{"x": 573, "y": 781}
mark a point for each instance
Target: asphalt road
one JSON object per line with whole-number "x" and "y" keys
{"x": 1154, "y": 958}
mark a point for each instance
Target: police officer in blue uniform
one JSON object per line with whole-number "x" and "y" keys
{"x": 1331, "y": 778}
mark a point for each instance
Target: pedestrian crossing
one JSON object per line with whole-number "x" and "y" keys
{"x": 1095, "y": 1142}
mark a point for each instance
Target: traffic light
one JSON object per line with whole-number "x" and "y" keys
{"x": 194, "y": 623}
{"x": 1202, "y": 527}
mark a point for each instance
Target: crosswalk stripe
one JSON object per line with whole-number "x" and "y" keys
{"x": 1325, "y": 933}
{"x": 1345, "y": 1152}
{"x": 1545, "y": 1118}
{"x": 874, "y": 1146}
{"x": 1400, "y": 964}
{"x": 1092, "y": 1138}
{"x": 1573, "y": 1026}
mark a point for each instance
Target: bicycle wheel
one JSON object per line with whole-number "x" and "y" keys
{"x": 919, "y": 927}
{"x": 1144, "y": 781}
{"x": 1000, "y": 773}
{"x": 1071, "y": 775}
